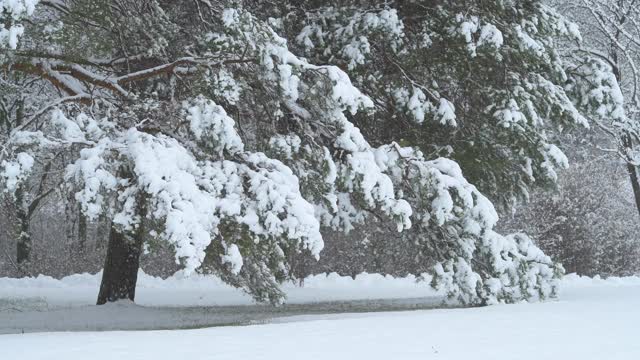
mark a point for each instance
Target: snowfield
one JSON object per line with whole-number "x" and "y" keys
{"x": 592, "y": 319}
{"x": 46, "y": 304}
{"x": 202, "y": 290}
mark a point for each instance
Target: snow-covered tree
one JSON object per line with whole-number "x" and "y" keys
{"x": 484, "y": 84}
{"x": 26, "y": 196}
{"x": 607, "y": 53}
{"x": 159, "y": 155}
{"x": 11, "y": 12}
{"x": 481, "y": 83}
{"x": 196, "y": 124}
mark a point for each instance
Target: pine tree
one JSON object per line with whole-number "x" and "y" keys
{"x": 484, "y": 84}
{"x": 160, "y": 156}
{"x": 212, "y": 135}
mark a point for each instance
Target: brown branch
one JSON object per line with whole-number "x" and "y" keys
{"x": 151, "y": 72}
{"x": 34, "y": 205}
{"x": 81, "y": 98}
{"x": 41, "y": 195}
{"x": 39, "y": 70}
{"x": 54, "y": 75}
{"x": 170, "y": 67}
{"x": 80, "y": 73}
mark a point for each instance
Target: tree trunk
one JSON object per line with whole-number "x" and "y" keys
{"x": 120, "y": 272}
{"x": 632, "y": 169}
{"x": 23, "y": 247}
{"x": 633, "y": 174}
{"x": 121, "y": 266}
{"x": 102, "y": 233}
{"x": 82, "y": 232}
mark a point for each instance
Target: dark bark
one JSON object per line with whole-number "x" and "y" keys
{"x": 122, "y": 262}
{"x": 627, "y": 141}
{"x": 23, "y": 247}
{"x": 121, "y": 266}
{"x": 102, "y": 234}
{"x": 23, "y": 253}
{"x": 632, "y": 170}
{"x": 82, "y": 232}
{"x": 633, "y": 175}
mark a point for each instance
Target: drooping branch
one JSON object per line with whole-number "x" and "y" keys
{"x": 38, "y": 69}
{"x": 57, "y": 72}
{"x": 171, "y": 67}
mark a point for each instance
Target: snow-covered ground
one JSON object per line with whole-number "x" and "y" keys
{"x": 592, "y": 319}
{"x": 47, "y": 304}
{"x": 200, "y": 290}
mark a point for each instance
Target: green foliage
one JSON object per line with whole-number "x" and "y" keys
{"x": 282, "y": 122}
{"x": 496, "y": 63}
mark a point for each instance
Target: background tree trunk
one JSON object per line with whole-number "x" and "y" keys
{"x": 82, "y": 232}
{"x": 23, "y": 247}
{"x": 632, "y": 169}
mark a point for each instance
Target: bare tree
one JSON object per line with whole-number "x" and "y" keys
{"x": 611, "y": 33}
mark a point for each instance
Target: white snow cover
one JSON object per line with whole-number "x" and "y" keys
{"x": 287, "y": 145}
{"x": 417, "y": 105}
{"x": 595, "y": 319}
{"x": 208, "y": 290}
{"x": 490, "y": 35}
{"x": 348, "y": 38}
{"x": 469, "y": 27}
{"x": 207, "y": 119}
{"x": 466, "y": 28}
{"x": 16, "y": 10}
{"x": 194, "y": 197}
{"x": 69, "y": 130}
{"x": 225, "y": 86}
{"x": 12, "y": 173}
{"x": 359, "y": 170}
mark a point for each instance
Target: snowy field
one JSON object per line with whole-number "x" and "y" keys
{"x": 199, "y": 290}
{"x": 47, "y": 304}
{"x": 592, "y": 319}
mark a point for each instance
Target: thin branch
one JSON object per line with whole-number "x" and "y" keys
{"x": 43, "y": 110}
{"x": 15, "y": 266}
